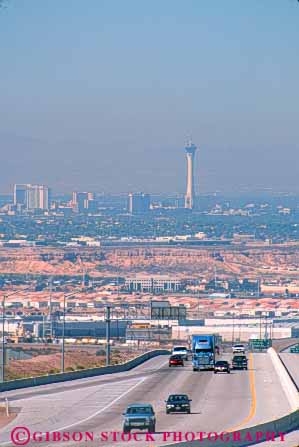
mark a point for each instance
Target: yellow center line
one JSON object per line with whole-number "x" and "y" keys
{"x": 253, "y": 397}
{"x": 252, "y": 406}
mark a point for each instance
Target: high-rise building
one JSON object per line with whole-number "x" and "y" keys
{"x": 78, "y": 201}
{"x": 32, "y": 197}
{"x": 84, "y": 202}
{"x": 138, "y": 203}
{"x": 190, "y": 193}
{"x": 38, "y": 197}
{"x": 20, "y": 193}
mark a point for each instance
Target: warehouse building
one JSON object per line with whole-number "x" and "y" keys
{"x": 153, "y": 284}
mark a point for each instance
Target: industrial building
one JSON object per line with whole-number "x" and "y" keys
{"x": 232, "y": 333}
{"x": 153, "y": 284}
{"x": 95, "y": 329}
{"x": 147, "y": 332}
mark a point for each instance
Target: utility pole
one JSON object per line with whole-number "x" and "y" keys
{"x": 150, "y": 310}
{"x": 108, "y": 321}
{"x": 2, "y": 377}
{"x": 266, "y": 327}
{"x": 63, "y": 333}
{"x": 270, "y": 329}
{"x": 50, "y": 307}
{"x": 117, "y": 328}
{"x": 233, "y": 334}
{"x": 215, "y": 278}
{"x": 63, "y": 325}
{"x": 3, "y": 341}
{"x": 239, "y": 330}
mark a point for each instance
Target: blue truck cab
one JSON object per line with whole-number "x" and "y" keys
{"x": 203, "y": 352}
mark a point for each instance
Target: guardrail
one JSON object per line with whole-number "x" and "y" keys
{"x": 92, "y": 372}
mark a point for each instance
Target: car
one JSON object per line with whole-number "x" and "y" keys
{"x": 180, "y": 350}
{"x": 239, "y": 361}
{"x": 139, "y": 416}
{"x": 221, "y": 366}
{"x": 178, "y": 403}
{"x": 238, "y": 348}
{"x": 176, "y": 360}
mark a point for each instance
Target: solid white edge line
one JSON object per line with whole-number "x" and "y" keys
{"x": 13, "y": 394}
{"x": 97, "y": 412}
{"x": 102, "y": 409}
{"x": 89, "y": 417}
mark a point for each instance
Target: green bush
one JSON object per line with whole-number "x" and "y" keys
{"x": 80, "y": 367}
{"x": 54, "y": 371}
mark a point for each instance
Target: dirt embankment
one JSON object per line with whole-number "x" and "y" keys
{"x": 48, "y": 361}
{"x": 184, "y": 262}
{"x": 6, "y": 419}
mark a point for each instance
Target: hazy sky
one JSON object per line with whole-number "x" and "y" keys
{"x": 101, "y": 94}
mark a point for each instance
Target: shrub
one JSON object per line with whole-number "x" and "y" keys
{"x": 54, "y": 371}
{"x": 80, "y": 367}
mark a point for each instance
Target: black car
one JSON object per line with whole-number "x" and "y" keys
{"x": 178, "y": 403}
{"x": 240, "y": 362}
{"x": 221, "y": 366}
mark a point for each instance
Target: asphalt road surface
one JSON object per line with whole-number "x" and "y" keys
{"x": 220, "y": 402}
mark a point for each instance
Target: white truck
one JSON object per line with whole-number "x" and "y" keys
{"x": 238, "y": 349}
{"x": 180, "y": 350}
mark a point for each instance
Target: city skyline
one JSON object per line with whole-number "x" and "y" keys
{"x": 128, "y": 248}
{"x": 100, "y": 121}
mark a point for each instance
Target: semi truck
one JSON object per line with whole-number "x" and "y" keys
{"x": 203, "y": 352}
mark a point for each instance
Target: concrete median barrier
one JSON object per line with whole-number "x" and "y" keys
{"x": 285, "y": 379}
{"x": 92, "y": 372}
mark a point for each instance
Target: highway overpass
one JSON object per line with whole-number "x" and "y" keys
{"x": 219, "y": 402}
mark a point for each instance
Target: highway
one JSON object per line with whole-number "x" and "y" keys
{"x": 219, "y": 402}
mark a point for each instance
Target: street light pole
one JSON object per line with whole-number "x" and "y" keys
{"x": 50, "y": 308}
{"x": 266, "y": 326}
{"x": 233, "y": 334}
{"x": 108, "y": 321}
{"x": 2, "y": 377}
{"x": 74, "y": 293}
{"x": 3, "y": 343}
{"x": 63, "y": 332}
